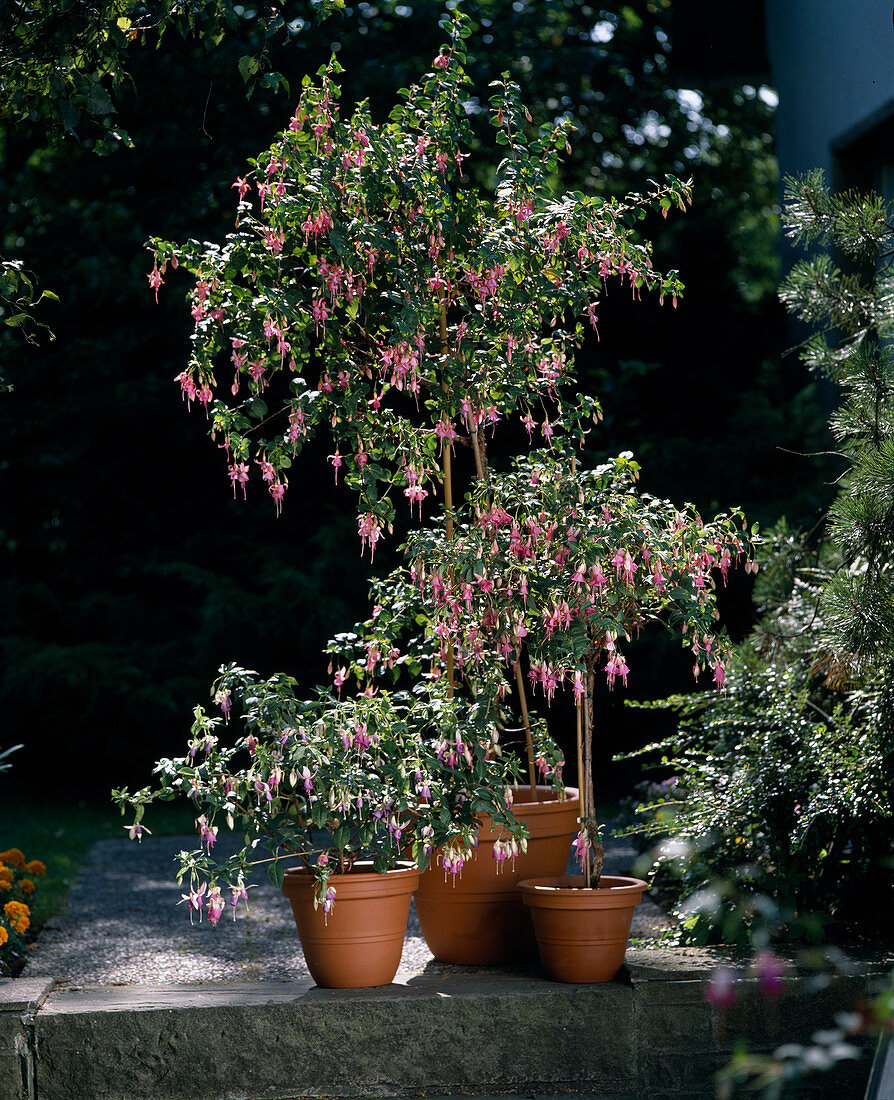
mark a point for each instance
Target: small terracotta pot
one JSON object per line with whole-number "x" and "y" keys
{"x": 477, "y": 918}
{"x": 360, "y": 942}
{"x": 582, "y": 934}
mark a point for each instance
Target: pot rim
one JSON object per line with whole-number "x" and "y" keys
{"x": 572, "y": 886}
{"x": 361, "y": 872}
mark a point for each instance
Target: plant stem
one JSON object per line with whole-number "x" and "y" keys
{"x": 580, "y": 755}
{"x": 529, "y": 740}
{"x": 587, "y": 807}
{"x": 448, "y": 485}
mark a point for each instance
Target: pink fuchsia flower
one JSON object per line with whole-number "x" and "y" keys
{"x": 308, "y": 780}
{"x": 188, "y": 387}
{"x": 263, "y": 788}
{"x": 215, "y": 905}
{"x": 505, "y": 849}
{"x": 719, "y": 675}
{"x": 581, "y": 846}
{"x": 194, "y": 901}
{"x": 207, "y": 832}
{"x": 445, "y": 430}
{"x": 370, "y": 532}
{"x": 135, "y": 831}
{"x": 238, "y": 893}
{"x": 238, "y": 472}
{"x": 442, "y": 61}
{"x": 242, "y": 186}
{"x": 721, "y": 990}
{"x": 155, "y": 281}
{"x": 616, "y": 667}
{"x": 770, "y": 970}
{"x": 278, "y": 490}
{"x": 453, "y": 860}
{"x": 484, "y": 583}
{"x": 225, "y": 701}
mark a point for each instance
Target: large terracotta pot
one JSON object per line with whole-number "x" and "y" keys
{"x": 477, "y": 918}
{"x": 582, "y": 934}
{"x": 360, "y": 942}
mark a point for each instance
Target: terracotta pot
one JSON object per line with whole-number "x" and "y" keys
{"x": 360, "y": 942}
{"x": 582, "y": 934}
{"x": 478, "y": 918}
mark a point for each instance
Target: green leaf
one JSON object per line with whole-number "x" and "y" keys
{"x": 98, "y": 102}
{"x": 276, "y": 874}
{"x": 248, "y": 67}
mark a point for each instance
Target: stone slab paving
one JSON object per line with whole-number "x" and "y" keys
{"x": 122, "y": 925}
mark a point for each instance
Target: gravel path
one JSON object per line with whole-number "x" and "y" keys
{"x": 121, "y": 925}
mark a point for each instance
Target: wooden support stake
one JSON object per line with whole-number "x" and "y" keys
{"x": 529, "y": 740}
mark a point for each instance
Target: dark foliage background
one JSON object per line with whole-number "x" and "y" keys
{"x": 128, "y": 571}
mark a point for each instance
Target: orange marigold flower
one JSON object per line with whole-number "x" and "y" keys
{"x": 35, "y": 867}
{"x": 14, "y": 857}
{"x": 27, "y": 886}
{"x": 5, "y": 878}
{"x": 18, "y": 913}
{"x": 4, "y": 935}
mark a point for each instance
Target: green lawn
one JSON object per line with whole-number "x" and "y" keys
{"x": 60, "y": 833}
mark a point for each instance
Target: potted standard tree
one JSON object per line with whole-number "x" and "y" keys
{"x": 370, "y": 291}
{"x": 557, "y": 567}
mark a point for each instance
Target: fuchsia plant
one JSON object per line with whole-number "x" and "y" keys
{"x": 370, "y": 291}
{"x": 321, "y": 783}
{"x": 564, "y": 566}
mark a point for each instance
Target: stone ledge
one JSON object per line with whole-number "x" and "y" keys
{"x": 648, "y": 1034}
{"x": 20, "y": 999}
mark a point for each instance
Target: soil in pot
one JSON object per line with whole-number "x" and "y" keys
{"x": 478, "y": 918}
{"x": 359, "y": 943}
{"x": 582, "y": 934}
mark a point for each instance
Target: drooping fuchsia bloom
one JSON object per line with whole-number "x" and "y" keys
{"x": 242, "y": 186}
{"x": 215, "y": 905}
{"x": 278, "y": 491}
{"x": 308, "y": 780}
{"x": 188, "y": 386}
{"x": 135, "y": 831}
{"x": 238, "y": 473}
{"x": 581, "y": 845}
{"x": 771, "y": 971}
{"x": 194, "y": 901}
{"x": 484, "y": 583}
{"x": 721, "y": 991}
{"x": 237, "y": 893}
{"x": 453, "y": 860}
{"x": 207, "y": 832}
{"x": 503, "y": 850}
{"x": 445, "y": 430}
{"x": 155, "y": 281}
{"x": 370, "y": 533}
{"x": 616, "y": 667}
